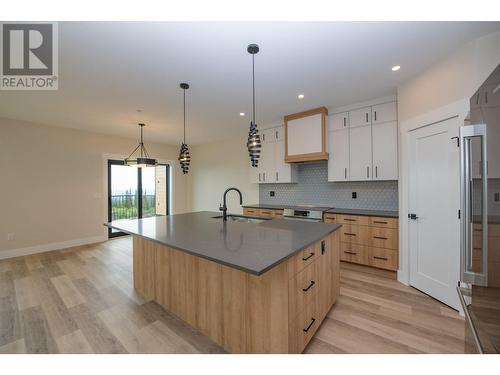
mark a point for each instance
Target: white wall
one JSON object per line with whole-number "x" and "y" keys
{"x": 450, "y": 80}
{"x": 52, "y": 184}
{"x": 217, "y": 166}
{"x": 442, "y": 91}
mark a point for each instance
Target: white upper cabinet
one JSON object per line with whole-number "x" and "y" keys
{"x": 385, "y": 112}
{"x": 360, "y": 117}
{"x": 272, "y": 167}
{"x": 367, "y": 148}
{"x": 385, "y": 151}
{"x": 338, "y": 121}
{"x": 305, "y": 136}
{"x": 360, "y": 153}
{"x": 338, "y": 162}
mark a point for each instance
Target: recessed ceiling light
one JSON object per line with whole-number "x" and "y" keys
{"x": 301, "y": 96}
{"x": 242, "y": 113}
{"x": 396, "y": 68}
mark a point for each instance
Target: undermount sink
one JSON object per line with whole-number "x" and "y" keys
{"x": 244, "y": 219}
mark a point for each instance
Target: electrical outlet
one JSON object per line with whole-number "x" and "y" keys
{"x": 497, "y": 197}
{"x": 272, "y": 193}
{"x": 354, "y": 195}
{"x": 10, "y": 236}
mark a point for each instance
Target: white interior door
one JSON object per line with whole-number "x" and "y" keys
{"x": 434, "y": 197}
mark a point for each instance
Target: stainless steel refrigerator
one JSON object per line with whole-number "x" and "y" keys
{"x": 479, "y": 287}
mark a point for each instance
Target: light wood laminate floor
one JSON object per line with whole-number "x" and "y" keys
{"x": 81, "y": 300}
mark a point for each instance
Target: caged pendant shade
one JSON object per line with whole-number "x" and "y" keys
{"x": 253, "y": 143}
{"x": 142, "y": 159}
{"x": 184, "y": 157}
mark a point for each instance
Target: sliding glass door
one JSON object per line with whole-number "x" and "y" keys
{"x": 135, "y": 193}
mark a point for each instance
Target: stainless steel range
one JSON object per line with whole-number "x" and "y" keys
{"x": 305, "y": 213}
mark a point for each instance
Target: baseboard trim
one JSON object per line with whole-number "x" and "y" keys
{"x": 12, "y": 253}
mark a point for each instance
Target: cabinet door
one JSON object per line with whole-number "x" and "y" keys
{"x": 254, "y": 174}
{"x": 360, "y": 153}
{"x": 385, "y": 151}
{"x": 338, "y": 121}
{"x": 338, "y": 163}
{"x": 268, "y": 135}
{"x": 284, "y": 172}
{"x": 385, "y": 112}
{"x": 267, "y": 169}
{"x": 360, "y": 117}
{"x": 491, "y": 116}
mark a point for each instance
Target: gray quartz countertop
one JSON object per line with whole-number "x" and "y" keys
{"x": 251, "y": 247}
{"x": 281, "y": 207}
{"x": 334, "y": 210}
{"x": 352, "y": 211}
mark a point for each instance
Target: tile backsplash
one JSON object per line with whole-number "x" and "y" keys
{"x": 313, "y": 188}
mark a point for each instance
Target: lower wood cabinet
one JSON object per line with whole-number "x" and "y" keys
{"x": 276, "y": 312}
{"x": 262, "y": 212}
{"x": 368, "y": 240}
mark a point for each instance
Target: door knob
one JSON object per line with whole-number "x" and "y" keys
{"x": 412, "y": 216}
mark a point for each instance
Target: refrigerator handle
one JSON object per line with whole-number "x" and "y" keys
{"x": 467, "y": 198}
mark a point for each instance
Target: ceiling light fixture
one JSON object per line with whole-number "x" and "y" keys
{"x": 253, "y": 143}
{"x": 184, "y": 157}
{"x": 395, "y": 68}
{"x": 144, "y": 160}
{"x": 301, "y": 96}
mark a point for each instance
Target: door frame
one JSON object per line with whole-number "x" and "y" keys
{"x": 458, "y": 110}
{"x": 103, "y": 196}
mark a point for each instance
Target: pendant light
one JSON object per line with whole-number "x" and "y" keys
{"x": 253, "y": 143}
{"x": 143, "y": 159}
{"x": 184, "y": 157}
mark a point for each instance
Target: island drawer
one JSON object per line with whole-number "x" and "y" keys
{"x": 383, "y": 222}
{"x": 351, "y": 219}
{"x": 354, "y": 253}
{"x": 302, "y": 289}
{"x": 384, "y": 258}
{"x": 354, "y": 234}
{"x": 303, "y": 259}
{"x": 384, "y": 237}
{"x": 303, "y": 328}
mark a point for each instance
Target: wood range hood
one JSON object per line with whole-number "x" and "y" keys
{"x": 305, "y": 136}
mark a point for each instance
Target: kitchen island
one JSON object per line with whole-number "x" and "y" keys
{"x": 252, "y": 286}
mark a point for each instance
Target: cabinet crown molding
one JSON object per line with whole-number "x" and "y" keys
{"x": 310, "y": 112}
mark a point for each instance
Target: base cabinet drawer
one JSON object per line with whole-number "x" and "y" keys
{"x": 383, "y": 222}
{"x": 354, "y": 253}
{"x": 357, "y": 234}
{"x": 251, "y": 211}
{"x": 384, "y": 258}
{"x": 303, "y": 328}
{"x": 304, "y": 258}
{"x": 303, "y": 289}
{"x": 383, "y": 237}
{"x": 351, "y": 219}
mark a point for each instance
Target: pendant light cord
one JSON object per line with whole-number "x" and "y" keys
{"x": 253, "y": 86}
{"x": 142, "y": 142}
{"x": 184, "y": 116}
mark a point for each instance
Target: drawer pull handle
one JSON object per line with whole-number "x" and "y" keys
{"x": 350, "y": 252}
{"x": 350, "y": 234}
{"x": 380, "y": 222}
{"x": 309, "y": 287}
{"x": 308, "y": 257}
{"x": 380, "y": 238}
{"x": 346, "y": 219}
{"x": 381, "y": 258}
{"x": 310, "y": 325}
{"x": 265, "y": 212}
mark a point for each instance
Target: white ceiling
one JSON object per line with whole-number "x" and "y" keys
{"x": 108, "y": 70}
